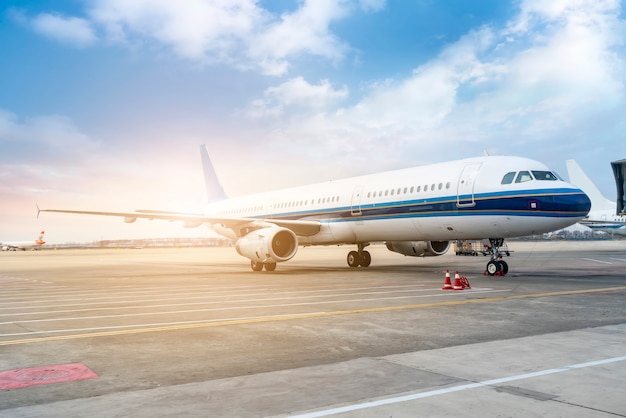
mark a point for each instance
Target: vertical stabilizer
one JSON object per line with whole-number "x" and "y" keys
{"x": 578, "y": 178}
{"x": 214, "y": 190}
{"x": 619, "y": 171}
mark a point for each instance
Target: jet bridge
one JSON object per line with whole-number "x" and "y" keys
{"x": 619, "y": 171}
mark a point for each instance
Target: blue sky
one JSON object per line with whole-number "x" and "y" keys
{"x": 103, "y": 103}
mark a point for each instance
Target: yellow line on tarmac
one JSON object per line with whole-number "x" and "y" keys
{"x": 302, "y": 316}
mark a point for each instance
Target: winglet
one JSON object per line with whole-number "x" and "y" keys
{"x": 214, "y": 190}
{"x": 38, "y": 210}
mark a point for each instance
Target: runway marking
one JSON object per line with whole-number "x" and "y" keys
{"x": 596, "y": 261}
{"x": 289, "y": 317}
{"x": 193, "y": 294}
{"x": 212, "y": 302}
{"x": 436, "y": 392}
{"x": 618, "y": 259}
{"x": 229, "y": 308}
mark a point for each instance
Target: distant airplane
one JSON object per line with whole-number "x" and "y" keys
{"x": 23, "y": 245}
{"x": 603, "y": 214}
{"x": 415, "y": 211}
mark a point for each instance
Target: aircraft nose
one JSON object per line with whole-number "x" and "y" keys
{"x": 576, "y": 204}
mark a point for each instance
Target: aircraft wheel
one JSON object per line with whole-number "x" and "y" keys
{"x": 270, "y": 266}
{"x": 504, "y": 267}
{"x": 493, "y": 267}
{"x": 366, "y": 259}
{"x": 256, "y": 265}
{"x": 354, "y": 259}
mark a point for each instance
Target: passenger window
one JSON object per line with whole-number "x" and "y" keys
{"x": 545, "y": 175}
{"x": 523, "y": 176}
{"x": 508, "y": 178}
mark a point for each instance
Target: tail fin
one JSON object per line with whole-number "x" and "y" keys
{"x": 40, "y": 240}
{"x": 214, "y": 190}
{"x": 578, "y": 178}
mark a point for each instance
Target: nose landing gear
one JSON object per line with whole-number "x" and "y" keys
{"x": 496, "y": 266}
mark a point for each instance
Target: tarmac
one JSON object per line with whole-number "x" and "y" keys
{"x": 194, "y": 332}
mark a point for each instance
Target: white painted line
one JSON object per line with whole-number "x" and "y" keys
{"x": 155, "y": 325}
{"x": 596, "y": 261}
{"x": 206, "y": 293}
{"x": 229, "y": 308}
{"x": 452, "y": 389}
{"x": 119, "y": 304}
{"x": 618, "y": 259}
{"x": 169, "y": 305}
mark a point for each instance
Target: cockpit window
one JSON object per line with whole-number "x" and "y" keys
{"x": 523, "y": 176}
{"x": 545, "y": 175}
{"x": 508, "y": 178}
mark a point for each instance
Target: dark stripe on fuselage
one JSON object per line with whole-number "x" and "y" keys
{"x": 553, "y": 203}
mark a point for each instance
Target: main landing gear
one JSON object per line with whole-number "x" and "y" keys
{"x": 360, "y": 257}
{"x": 497, "y": 266}
{"x": 258, "y": 266}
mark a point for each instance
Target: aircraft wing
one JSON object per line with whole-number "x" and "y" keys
{"x": 239, "y": 226}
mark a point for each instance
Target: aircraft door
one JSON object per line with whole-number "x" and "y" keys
{"x": 465, "y": 187}
{"x": 355, "y": 208}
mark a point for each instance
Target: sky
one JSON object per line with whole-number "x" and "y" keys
{"x": 104, "y": 103}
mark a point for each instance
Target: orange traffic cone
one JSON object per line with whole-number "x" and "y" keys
{"x": 447, "y": 285}
{"x": 458, "y": 285}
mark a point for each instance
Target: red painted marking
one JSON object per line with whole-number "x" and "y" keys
{"x": 34, "y": 376}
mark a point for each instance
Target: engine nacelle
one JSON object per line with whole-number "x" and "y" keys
{"x": 419, "y": 248}
{"x": 268, "y": 245}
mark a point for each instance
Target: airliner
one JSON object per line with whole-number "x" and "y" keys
{"x": 23, "y": 245}
{"x": 603, "y": 214}
{"x": 414, "y": 211}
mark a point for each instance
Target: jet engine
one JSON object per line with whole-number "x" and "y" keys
{"x": 419, "y": 248}
{"x": 268, "y": 245}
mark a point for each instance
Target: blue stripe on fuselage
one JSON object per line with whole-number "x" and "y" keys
{"x": 555, "y": 203}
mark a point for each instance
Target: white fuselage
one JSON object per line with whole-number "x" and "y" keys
{"x": 20, "y": 245}
{"x": 606, "y": 221}
{"x": 464, "y": 199}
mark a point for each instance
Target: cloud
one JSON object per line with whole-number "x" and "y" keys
{"x": 305, "y": 31}
{"x": 197, "y": 30}
{"x": 72, "y": 30}
{"x": 41, "y": 153}
{"x": 372, "y": 5}
{"x": 41, "y": 137}
{"x": 533, "y": 80}
{"x": 296, "y": 94}
{"x": 238, "y": 33}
